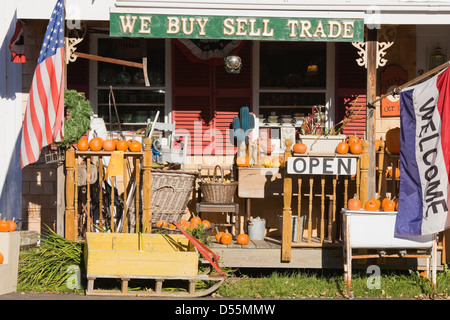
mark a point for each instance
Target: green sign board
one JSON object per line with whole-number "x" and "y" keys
{"x": 236, "y": 28}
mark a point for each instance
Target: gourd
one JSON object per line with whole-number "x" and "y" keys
{"x": 393, "y": 140}
{"x": 96, "y": 144}
{"x": 388, "y": 205}
{"x": 135, "y": 146}
{"x": 242, "y": 239}
{"x": 299, "y": 147}
{"x": 372, "y": 205}
{"x": 354, "y": 204}
{"x": 83, "y": 144}
{"x": 342, "y": 148}
{"x": 226, "y": 238}
{"x": 356, "y": 147}
{"x": 109, "y": 145}
{"x": 122, "y": 145}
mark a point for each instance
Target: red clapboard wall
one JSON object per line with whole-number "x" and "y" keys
{"x": 350, "y": 89}
{"x": 205, "y": 98}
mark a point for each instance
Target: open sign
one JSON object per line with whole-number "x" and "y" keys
{"x": 321, "y": 165}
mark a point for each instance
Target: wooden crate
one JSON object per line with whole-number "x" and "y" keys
{"x": 139, "y": 255}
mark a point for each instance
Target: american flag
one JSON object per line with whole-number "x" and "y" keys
{"x": 44, "y": 122}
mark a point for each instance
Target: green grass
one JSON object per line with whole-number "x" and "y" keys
{"x": 44, "y": 269}
{"x": 316, "y": 284}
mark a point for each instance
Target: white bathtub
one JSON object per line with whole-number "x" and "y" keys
{"x": 375, "y": 230}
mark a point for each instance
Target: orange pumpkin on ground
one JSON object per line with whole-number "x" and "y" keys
{"x": 219, "y": 236}
{"x": 242, "y": 239}
{"x": 162, "y": 223}
{"x": 195, "y": 221}
{"x": 226, "y": 238}
{"x": 356, "y": 148}
{"x": 242, "y": 161}
{"x": 388, "y": 205}
{"x": 299, "y": 147}
{"x": 354, "y": 204}
{"x": 96, "y": 144}
{"x": 1, "y": 258}
{"x": 83, "y": 144}
{"x": 372, "y": 205}
{"x": 206, "y": 223}
{"x": 393, "y": 140}
{"x": 109, "y": 145}
{"x": 342, "y": 148}
{"x": 122, "y": 145}
{"x": 135, "y": 146}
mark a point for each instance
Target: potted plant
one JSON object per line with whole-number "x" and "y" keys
{"x": 78, "y": 117}
{"x": 318, "y": 137}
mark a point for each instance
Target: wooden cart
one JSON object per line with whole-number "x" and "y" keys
{"x": 155, "y": 257}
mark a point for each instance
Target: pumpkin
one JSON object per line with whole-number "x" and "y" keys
{"x": 96, "y": 144}
{"x": 1, "y": 258}
{"x": 388, "y": 205}
{"x": 206, "y": 224}
{"x": 135, "y": 146}
{"x": 162, "y": 224}
{"x": 226, "y": 238}
{"x": 4, "y": 226}
{"x": 352, "y": 139}
{"x": 196, "y": 220}
{"x": 354, "y": 204}
{"x": 393, "y": 140}
{"x": 109, "y": 145}
{"x": 377, "y": 144}
{"x": 242, "y": 239}
{"x": 219, "y": 236}
{"x": 371, "y": 205}
{"x": 83, "y": 144}
{"x": 242, "y": 161}
{"x": 172, "y": 226}
{"x": 122, "y": 145}
{"x": 12, "y": 225}
{"x": 342, "y": 148}
{"x": 355, "y": 147}
{"x": 299, "y": 147}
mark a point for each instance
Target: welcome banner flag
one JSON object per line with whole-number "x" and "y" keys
{"x": 425, "y": 157}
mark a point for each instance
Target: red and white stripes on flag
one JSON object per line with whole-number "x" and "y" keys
{"x": 44, "y": 117}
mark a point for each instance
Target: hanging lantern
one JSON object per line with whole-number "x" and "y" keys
{"x": 233, "y": 64}
{"x": 437, "y": 58}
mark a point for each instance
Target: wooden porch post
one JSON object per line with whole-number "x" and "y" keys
{"x": 147, "y": 187}
{"x": 372, "y": 48}
{"x": 70, "y": 231}
{"x": 286, "y": 236}
{"x": 364, "y": 168}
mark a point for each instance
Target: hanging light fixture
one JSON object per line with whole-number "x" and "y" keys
{"x": 437, "y": 58}
{"x": 233, "y": 64}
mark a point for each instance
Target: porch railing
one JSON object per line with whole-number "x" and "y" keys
{"x": 105, "y": 214}
{"x": 335, "y": 191}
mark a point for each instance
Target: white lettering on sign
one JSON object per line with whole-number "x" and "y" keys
{"x": 321, "y": 165}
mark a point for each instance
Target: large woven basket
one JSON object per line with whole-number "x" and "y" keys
{"x": 171, "y": 191}
{"x": 217, "y": 190}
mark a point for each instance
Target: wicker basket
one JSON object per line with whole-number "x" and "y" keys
{"x": 218, "y": 190}
{"x": 171, "y": 191}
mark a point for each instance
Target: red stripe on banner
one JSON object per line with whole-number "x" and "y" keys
{"x": 443, "y": 104}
